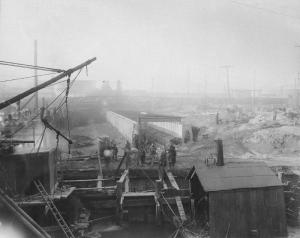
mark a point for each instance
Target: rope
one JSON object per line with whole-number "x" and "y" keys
{"x": 53, "y": 101}
{"x": 168, "y": 205}
{"x": 43, "y": 134}
{"x": 71, "y": 84}
{"x": 67, "y": 109}
{"x": 37, "y": 115}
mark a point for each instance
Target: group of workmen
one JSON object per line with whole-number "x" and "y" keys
{"x": 167, "y": 157}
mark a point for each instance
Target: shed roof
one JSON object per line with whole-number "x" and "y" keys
{"x": 134, "y": 115}
{"x": 236, "y": 175}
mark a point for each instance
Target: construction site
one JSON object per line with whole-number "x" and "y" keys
{"x": 132, "y": 123}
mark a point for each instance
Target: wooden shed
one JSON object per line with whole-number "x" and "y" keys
{"x": 241, "y": 199}
{"x": 19, "y": 170}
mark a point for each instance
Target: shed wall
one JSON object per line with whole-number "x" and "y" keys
{"x": 237, "y": 212}
{"x": 23, "y": 169}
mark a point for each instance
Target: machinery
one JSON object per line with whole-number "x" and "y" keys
{"x": 107, "y": 147}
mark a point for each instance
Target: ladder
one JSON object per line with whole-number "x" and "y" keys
{"x": 58, "y": 217}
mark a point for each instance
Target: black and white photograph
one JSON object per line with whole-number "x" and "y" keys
{"x": 149, "y": 119}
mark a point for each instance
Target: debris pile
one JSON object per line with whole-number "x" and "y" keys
{"x": 274, "y": 140}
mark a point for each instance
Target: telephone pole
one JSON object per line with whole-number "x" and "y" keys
{"x": 188, "y": 81}
{"x": 253, "y": 91}
{"x": 227, "y": 68}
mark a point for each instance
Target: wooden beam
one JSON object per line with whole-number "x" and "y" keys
{"x": 100, "y": 174}
{"x": 95, "y": 188}
{"x": 139, "y": 194}
{"x": 165, "y": 185}
{"x": 172, "y": 192}
{"x": 125, "y": 173}
{"x": 126, "y": 187}
{"x": 86, "y": 180}
{"x": 172, "y": 180}
{"x": 171, "y": 201}
{"x": 180, "y": 209}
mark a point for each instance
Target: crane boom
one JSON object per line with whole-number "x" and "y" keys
{"x": 45, "y": 84}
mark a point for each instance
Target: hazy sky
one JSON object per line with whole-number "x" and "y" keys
{"x": 175, "y": 43}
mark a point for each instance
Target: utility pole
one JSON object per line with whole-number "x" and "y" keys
{"x": 36, "y": 106}
{"x": 227, "y": 68}
{"x": 152, "y": 94}
{"x": 253, "y": 91}
{"x": 188, "y": 81}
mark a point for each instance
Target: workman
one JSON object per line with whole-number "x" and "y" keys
{"x": 152, "y": 153}
{"x": 115, "y": 150}
{"x": 142, "y": 155}
{"x": 172, "y": 155}
{"x": 163, "y": 158}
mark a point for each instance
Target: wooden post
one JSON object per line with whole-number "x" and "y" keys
{"x": 126, "y": 184}
{"x": 100, "y": 174}
{"x": 220, "y": 156}
{"x": 158, "y": 212}
{"x": 119, "y": 192}
{"x": 193, "y": 212}
{"x": 158, "y": 187}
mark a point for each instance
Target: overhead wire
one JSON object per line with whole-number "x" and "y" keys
{"x": 26, "y": 77}
{"x": 71, "y": 84}
{"x": 28, "y": 66}
{"x": 38, "y": 114}
{"x": 32, "y": 97}
{"x": 51, "y": 103}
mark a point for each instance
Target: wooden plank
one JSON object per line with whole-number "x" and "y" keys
{"x": 172, "y": 192}
{"x": 139, "y": 202}
{"x": 171, "y": 201}
{"x": 165, "y": 185}
{"x": 180, "y": 209}
{"x": 125, "y": 173}
{"x": 86, "y": 180}
{"x": 100, "y": 173}
{"x": 126, "y": 184}
{"x": 95, "y": 188}
{"x": 172, "y": 180}
{"x": 37, "y": 200}
{"x": 138, "y": 194}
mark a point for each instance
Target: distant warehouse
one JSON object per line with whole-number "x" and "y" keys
{"x": 162, "y": 128}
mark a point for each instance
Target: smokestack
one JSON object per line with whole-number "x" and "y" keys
{"x": 220, "y": 155}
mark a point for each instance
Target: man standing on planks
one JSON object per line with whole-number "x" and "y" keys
{"x": 172, "y": 155}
